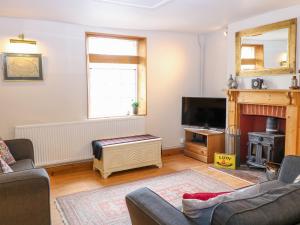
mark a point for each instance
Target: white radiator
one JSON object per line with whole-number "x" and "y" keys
{"x": 58, "y": 143}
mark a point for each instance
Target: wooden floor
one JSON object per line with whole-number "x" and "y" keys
{"x": 74, "y": 179}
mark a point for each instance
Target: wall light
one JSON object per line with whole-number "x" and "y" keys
{"x": 21, "y": 45}
{"x": 22, "y": 40}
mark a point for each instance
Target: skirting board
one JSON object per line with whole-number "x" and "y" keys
{"x": 88, "y": 164}
{"x": 172, "y": 151}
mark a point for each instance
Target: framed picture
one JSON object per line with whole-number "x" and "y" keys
{"x": 19, "y": 66}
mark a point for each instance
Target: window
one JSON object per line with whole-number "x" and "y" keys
{"x": 252, "y": 57}
{"x": 248, "y": 52}
{"x": 116, "y": 75}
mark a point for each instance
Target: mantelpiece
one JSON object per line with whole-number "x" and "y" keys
{"x": 289, "y": 99}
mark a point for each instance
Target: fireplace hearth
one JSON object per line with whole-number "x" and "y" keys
{"x": 264, "y": 147}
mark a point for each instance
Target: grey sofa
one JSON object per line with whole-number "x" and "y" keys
{"x": 278, "y": 204}
{"x": 24, "y": 193}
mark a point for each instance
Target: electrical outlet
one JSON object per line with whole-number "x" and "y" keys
{"x": 181, "y": 140}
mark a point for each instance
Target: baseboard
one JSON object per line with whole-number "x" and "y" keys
{"x": 172, "y": 151}
{"x": 88, "y": 164}
{"x": 67, "y": 167}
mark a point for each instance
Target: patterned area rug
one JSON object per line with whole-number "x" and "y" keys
{"x": 106, "y": 206}
{"x": 244, "y": 172}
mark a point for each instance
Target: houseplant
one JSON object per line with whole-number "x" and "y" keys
{"x": 135, "y": 106}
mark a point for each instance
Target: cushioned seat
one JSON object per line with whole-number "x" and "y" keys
{"x": 266, "y": 186}
{"x": 278, "y": 203}
{"x": 24, "y": 164}
{"x": 278, "y": 206}
{"x": 24, "y": 193}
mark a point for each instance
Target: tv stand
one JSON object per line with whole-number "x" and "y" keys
{"x": 202, "y": 143}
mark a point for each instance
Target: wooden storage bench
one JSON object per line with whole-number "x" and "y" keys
{"x": 112, "y": 155}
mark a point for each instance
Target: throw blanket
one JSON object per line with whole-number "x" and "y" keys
{"x": 99, "y": 144}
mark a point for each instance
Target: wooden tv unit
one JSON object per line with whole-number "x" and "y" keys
{"x": 202, "y": 144}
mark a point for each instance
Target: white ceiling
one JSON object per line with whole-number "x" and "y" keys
{"x": 175, "y": 15}
{"x": 149, "y": 4}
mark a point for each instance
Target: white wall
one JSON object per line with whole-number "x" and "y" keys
{"x": 219, "y": 50}
{"x": 215, "y": 64}
{"x": 173, "y": 71}
{"x": 275, "y": 82}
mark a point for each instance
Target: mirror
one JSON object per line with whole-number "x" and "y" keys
{"x": 267, "y": 50}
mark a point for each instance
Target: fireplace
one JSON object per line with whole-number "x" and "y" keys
{"x": 248, "y": 111}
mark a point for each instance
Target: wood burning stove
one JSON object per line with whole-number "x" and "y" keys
{"x": 264, "y": 147}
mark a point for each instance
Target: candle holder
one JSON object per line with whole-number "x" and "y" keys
{"x": 294, "y": 83}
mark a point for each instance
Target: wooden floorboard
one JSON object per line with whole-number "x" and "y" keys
{"x": 76, "y": 179}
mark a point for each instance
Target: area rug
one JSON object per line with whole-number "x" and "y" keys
{"x": 246, "y": 173}
{"x": 106, "y": 206}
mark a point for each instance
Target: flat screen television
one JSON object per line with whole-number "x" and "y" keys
{"x": 204, "y": 112}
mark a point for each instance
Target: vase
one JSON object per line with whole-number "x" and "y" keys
{"x": 234, "y": 84}
{"x": 229, "y": 82}
{"x": 135, "y": 110}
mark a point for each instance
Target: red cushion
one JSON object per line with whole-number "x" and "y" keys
{"x": 202, "y": 196}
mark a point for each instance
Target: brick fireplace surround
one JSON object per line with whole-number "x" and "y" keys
{"x": 283, "y": 104}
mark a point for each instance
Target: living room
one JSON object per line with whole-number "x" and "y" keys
{"x": 98, "y": 118}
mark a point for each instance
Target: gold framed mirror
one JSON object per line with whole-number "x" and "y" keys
{"x": 267, "y": 50}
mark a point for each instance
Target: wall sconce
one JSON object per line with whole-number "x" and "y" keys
{"x": 22, "y": 40}
{"x": 21, "y": 45}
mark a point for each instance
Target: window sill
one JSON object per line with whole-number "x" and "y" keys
{"x": 117, "y": 117}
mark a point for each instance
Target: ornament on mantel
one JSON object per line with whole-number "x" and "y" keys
{"x": 263, "y": 85}
{"x": 257, "y": 83}
{"x": 294, "y": 83}
{"x": 232, "y": 82}
{"x": 229, "y": 82}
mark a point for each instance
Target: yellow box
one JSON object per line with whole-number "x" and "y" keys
{"x": 225, "y": 161}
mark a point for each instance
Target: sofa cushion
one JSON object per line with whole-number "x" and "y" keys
{"x": 204, "y": 196}
{"x": 5, "y": 153}
{"x": 4, "y": 167}
{"x": 297, "y": 180}
{"x": 24, "y": 164}
{"x": 268, "y": 185}
{"x": 278, "y": 206}
{"x": 193, "y": 207}
{"x": 290, "y": 169}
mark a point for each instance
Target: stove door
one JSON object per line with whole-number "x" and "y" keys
{"x": 254, "y": 153}
{"x": 259, "y": 154}
{"x": 266, "y": 154}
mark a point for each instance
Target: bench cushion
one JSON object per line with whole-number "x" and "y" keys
{"x": 99, "y": 144}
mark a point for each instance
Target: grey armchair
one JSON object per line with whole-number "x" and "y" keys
{"x": 24, "y": 193}
{"x": 278, "y": 204}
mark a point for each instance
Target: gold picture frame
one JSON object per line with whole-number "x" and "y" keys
{"x": 22, "y": 67}
{"x": 290, "y": 67}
